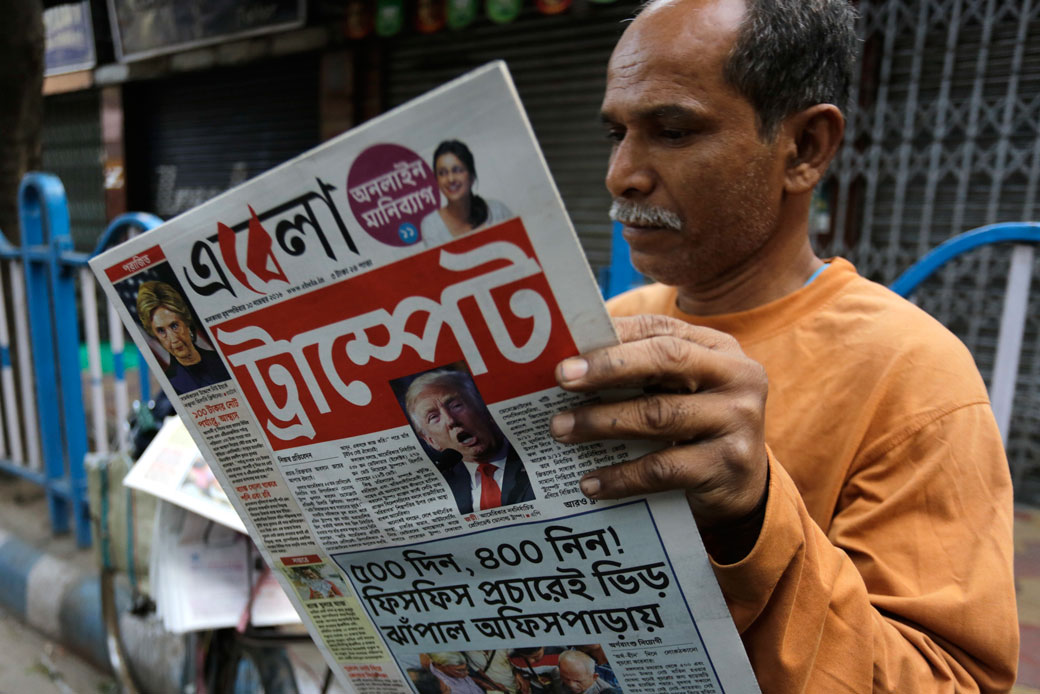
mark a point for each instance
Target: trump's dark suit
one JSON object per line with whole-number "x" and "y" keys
{"x": 516, "y": 487}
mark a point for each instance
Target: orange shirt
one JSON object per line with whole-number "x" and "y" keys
{"x": 885, "y": 560}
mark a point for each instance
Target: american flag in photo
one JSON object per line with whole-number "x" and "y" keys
{"x": 127, "y": 291}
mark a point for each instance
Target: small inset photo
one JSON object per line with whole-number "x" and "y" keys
{"x": 457, "y": 431}
{"x": 529, "y": 670}
{"x": 464, "y": 210}
{"x": 316, "y": 582}
{"x": 200, "y": 481}
{"x": 172, "y": 329}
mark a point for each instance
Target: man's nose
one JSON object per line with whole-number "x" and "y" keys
{"x": 629, "y": 172}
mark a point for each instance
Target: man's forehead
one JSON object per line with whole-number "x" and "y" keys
{"x": 715, "y": 16}
{"x": 672, "y": 59}
{"x": 679, "y": 32}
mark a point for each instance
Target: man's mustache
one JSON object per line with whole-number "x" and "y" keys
{"x": 643, "y": 215}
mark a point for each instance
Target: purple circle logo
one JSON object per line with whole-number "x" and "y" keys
{"x": 391, "y": 189}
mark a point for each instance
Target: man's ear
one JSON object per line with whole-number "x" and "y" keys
{"x": 814, "y": 135}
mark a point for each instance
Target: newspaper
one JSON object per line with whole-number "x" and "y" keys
{"x": 173, "y": 468}
{"x": 350, "y": 364}
{"x": 204, "y": 576}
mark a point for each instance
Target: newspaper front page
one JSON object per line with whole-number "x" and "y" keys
{"x": 373, "y": 389}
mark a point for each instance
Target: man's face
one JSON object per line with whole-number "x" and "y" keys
{"x": 687, "y": 143}
{"x": 449, "y": 419}
{"x": 576, "y": 678}
{"x": 453, "y": 670}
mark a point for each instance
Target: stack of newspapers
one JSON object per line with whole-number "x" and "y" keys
{"x": 204, "y": 569}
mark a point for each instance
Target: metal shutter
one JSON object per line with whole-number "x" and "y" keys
{"x": 192, "y": 136}
{"x": 72, "y": 151}
{"x": 945, "y": 138}
{"x": 559, "y": 65}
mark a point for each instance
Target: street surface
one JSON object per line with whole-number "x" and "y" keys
{"x": 30, "y": 663}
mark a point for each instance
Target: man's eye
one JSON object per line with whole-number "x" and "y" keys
{"x": 615, "y": 134}
{"x": 672, "y": 134}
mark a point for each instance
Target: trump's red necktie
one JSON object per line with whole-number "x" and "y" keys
{"x": 490, "y": 492}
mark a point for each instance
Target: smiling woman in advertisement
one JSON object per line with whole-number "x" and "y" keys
{"x": 466, "y": 211}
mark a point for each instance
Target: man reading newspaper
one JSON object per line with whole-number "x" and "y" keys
{"x": 859, "y": 519}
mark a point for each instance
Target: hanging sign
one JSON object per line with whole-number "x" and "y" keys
{"x": 68, "y": 39}
{"x": 503, "y": 11}
{"x": 357, "y": 19}
{"x": 145, "y": 29}
{"x": 552, "y": 6}
{"x": 429, "y": 16}
{"x": 461, "y": 13}
{"x": 389, "y": 17}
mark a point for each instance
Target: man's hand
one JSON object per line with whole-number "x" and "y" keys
{"x": 701, "y": 393}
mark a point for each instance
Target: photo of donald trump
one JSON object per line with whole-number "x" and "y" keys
{"x": 478, "y": 462}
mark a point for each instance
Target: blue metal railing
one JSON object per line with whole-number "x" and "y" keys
{"x": 1005, "y": 232}
{"x": 50, "y": 410}
{"x": 47, "y": 314}
{"x": 1024, "y": 236}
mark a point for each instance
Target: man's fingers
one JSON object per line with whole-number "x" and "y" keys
{"x": 689, "y": 467}
{"x": 704, "y": 470}
{"x": 701, "y": 392}
{"x": 667, "y": 361}
{"x": 632, "y": 328}
{"x": 657, "y": 351}
{"x": 663, "y": 417}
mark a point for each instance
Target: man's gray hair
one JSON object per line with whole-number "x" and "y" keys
{"x": 447, "y": 658}
{"x": 793, "y": 54}
{"x": 446, "y": 378}
{"x": 583, "y": 660}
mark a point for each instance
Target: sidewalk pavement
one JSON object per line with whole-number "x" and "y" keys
{"x": 52, "y": 585}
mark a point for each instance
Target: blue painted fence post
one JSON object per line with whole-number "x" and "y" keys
{"x": 51, "y": 297}
{"x": 117, "y": 232}
{"x": 621, "y": 276}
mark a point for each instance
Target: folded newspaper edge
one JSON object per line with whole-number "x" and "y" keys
{"x": 368, "y": 369}
{"x": 173, "y": 468}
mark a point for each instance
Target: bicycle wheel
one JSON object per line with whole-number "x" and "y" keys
{"x": 242, "y": 668}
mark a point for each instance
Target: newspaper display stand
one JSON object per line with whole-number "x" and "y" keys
{"x": 202, "y": 563}
{"x": 310, "y": 326}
